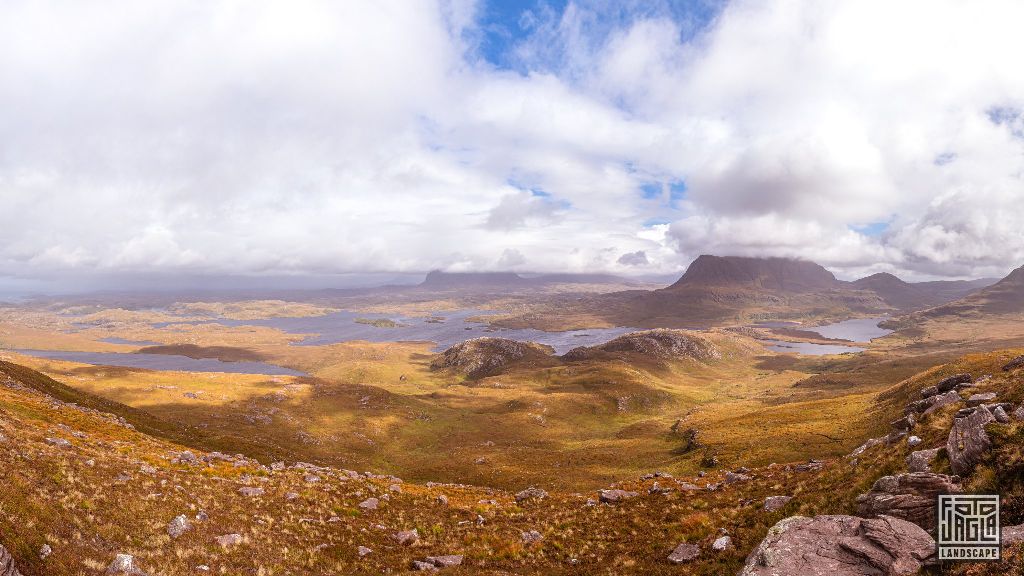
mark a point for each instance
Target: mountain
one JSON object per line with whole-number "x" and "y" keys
{"x": 1003, "y": 297}
{"x": 439, "y": 280}
{"x": 917, "y": 296}
{"x": 781, "y": 274}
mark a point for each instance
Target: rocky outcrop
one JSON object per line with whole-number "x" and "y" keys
{"x": 482, "y": 357}
{"x": 531, "y": 493}
{"x": 953, "y": 381}
{"x": 910, "y": 497}
{"x": 841, "y": 546}
{"x": 7, "y": 567}
{"x": 773, "y": 503}
{"x": 613, "y": 496}
{"x": 968, "y": 441}
{"x": 662, "y": 344}
{"x": 684, "y": 553}
{"x": 1017, "y": 362}
{"x": 936, "y": 402}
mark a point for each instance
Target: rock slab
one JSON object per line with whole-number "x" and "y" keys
{"x": 968, "y": 442}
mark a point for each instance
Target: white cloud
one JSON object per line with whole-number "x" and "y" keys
{"x": 319, "y": 137}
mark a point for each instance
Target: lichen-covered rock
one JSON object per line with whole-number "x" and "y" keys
{"x": 910, "y": 497}
{"x": 613, "y": 496}
{"x": 125, "y": 564}
{"x": 841, "y": 546}
{"x": 936, "y": 402}
{"x": 482, "y": 357}
{"x": 979, "y": 399}
{"x": 661, "y": 343}
{"x": 773, "y": 503}
{"x": 531, "y": 493}
{"x": 407, "y": 537}
{"x": 178, "y": 526}
{"x": 968, "y": 441}
{"x": 7, "y": 567}
{"x": 684, "y": 553}
{"x": 921, "y": 460}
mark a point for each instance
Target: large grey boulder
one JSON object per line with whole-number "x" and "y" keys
{"x": 841, "y": 546}
{"x": 7, "y": 567}
{"x": 936, "y": 402}
{"x": 910, "y": 497}
{"x": 1017, "y": 362}
{"x": 968, "y": 442}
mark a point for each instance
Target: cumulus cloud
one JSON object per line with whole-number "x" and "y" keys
{"x": 319, "y": 137}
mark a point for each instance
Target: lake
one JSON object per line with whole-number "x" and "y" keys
{"x": 444, "y": 329}
{"x": 855, "y": 330}
{"x": 163, "y": 362}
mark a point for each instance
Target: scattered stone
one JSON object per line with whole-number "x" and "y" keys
{"x": 90, "y": 462}
{"x": 229, "y": 540}
{"x": 531, "y": 493}
{"x": 731, "y": 477}
{"x": 395, "y": 488}
{"x": 531, "y": 537}
{"x": 291, "y": 496}
{"x": 147, "y": 469}
{"x": 773, "y": 503}
{"x": 445, "y": 561}
{"x": 1017, "y": 362}
{"x": 277, "y": 466}
{"x": 865, "y": 446}
{"x": 841, "y": 546}
{"x": 203, "y": 568}
{"x": 202, "y": 516}
{"x": 442, "y": 500}
{"x": 613, "y": 496}
{"x": 968, "y": 442}
{"x": 178, "y": 526}
{"x": 1000, "y": 415}
{"x": 187, "y": 458}
{"x": 910, "y": 497}
{"x": 952, "y": 382}
{"x": 45, "y": 552}
{"x": 811, "y": 466}
{"x": 929, "y": 392}
{"x": 407, "y": 537}
{"x": 124, "y": 564}
{"x": 369, "y": 504}
{"x": 979, "y": 399}
{"x": 58, "y": 442}
{"x": 363, "y": 551}
{"x": 913, "y": 441}
{"x": 684, "y": 553}
{"x": 311, "y": 478}
{"x": 250, "y": 491}
{"x": 1019, "y": 412}
{"x": 721, "y": 544}
{"x": 920, "y": 461}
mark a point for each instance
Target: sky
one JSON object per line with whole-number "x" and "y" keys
{"x": 319, "y": 139}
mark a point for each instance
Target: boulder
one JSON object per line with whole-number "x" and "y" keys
{"x": 613, "y": 496}
{"x": 1000, "y": 415}
{"x": 445, "y": 561}
{"x": 531, "y": 537}
{"x": 363, "y": 551}
{"x": 921, "y": 460}
{"x": 1017, "y": 362}
{"x": 773, "y": 503}
{"x": 58, "y": 442}
{"x": 1019, "y": 412}
{"x": 721, "y": 544}
{"x": 1012, "y": 534}
{"x": 250, "y": 491}
{"x": 178, "y": 526}
{"x": 732, "y": 477}
{"x": 929, "y": 392}
{"x": 953, "y": 381}
{"x": 684, "y": 553}
{"x": 125, "y": 564}
{"x": 531, "y": 493}
{"x": 7, "y": 567}
{"x": 841, "y": 546}
{"x": 407, "y": 537}
{"x": 369, "y": 504}
{"x": 910, "y": 497}
{"x": 979, "y": 399}
{"x": 913, "y": 441}
{"x": 951, "y": 397}
{"x": 968, "y": 441}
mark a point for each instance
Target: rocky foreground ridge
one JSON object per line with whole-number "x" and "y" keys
{"x": 85, "y": 493}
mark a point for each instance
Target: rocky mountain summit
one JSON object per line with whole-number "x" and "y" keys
{"x": 485, "y": 356}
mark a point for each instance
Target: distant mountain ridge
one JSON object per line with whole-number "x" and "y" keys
{"x": 437, "y": 279}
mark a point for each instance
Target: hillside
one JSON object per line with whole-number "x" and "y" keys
{"x": 908, "y": 296}
{"x": 83, "y": 488}
{"x": 778, "y": 274}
